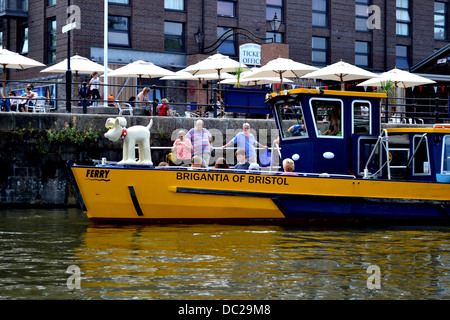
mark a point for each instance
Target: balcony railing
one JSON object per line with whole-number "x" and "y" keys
{"x": 14, "y": 8}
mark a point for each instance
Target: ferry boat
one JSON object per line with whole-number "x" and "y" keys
{"x": 348, "y": 171}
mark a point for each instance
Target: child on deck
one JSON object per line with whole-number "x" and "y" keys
{"x": 242, "y": 163}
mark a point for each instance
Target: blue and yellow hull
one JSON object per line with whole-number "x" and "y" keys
{"x": 149, "y": 195}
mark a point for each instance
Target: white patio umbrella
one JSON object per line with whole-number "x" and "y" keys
{"x": 218, "y": 63}
{"x": 282, "y": 68}
{"x": 340, "y": 71}
{"x": 140, "y": 69}
{"x": 400, "y": 78}
{"x": 184, "y": 75}
{"x": 13, "y": 60}
{"x": 246, "y": 81}
{"x": 79, "y": 64}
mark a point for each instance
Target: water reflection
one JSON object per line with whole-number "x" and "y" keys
{"x": 216, "y": 261}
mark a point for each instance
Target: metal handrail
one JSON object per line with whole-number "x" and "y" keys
{"x": 383, "y": 139}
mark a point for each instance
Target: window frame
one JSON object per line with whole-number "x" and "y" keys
{"x": 446, "y": 172}
{"x": 278, "y": 110}
{"x": 366, "y": 4}
{"x": 368, "y": 54}
{"x": 234, "y": 3}
{"x": 315, "y": 121}
{"x": 181, "y": 37}
{"x": 51, "y": 33}
{"x": 128, "y": 32}
{"x": 444, "y": 16}
{"x": 425, "y": 140}
{"x": 314, "y": 62}
{"x": 276, "y": 8}
{"x": 353, "y": 114}
{"x": 233, "y": 37}
{"x": 326, "y": 13}
{"x": 408, "y": 60}
{"x": 400, "y": 22}
{"x": 175, "y": 9}
{"x": 119, "y": 2}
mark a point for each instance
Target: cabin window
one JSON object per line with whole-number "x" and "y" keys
{"x": 446, "y": 155}
{"x": 327, "y": 117}
{"x": 421, "y": 160}
{"x": 366, "y": 146}
{"x": 292, "y": 124}
{"x": 361, "y": 117}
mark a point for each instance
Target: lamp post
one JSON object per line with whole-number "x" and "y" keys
{"x": 199, "y": 36}
{"x": 274, "y": 26}
{"x": 68, "y": 73}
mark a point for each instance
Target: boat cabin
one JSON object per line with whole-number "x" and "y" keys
{"x": 339, "y": 132}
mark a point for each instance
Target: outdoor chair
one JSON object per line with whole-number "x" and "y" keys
{"x": 125, "y": 107}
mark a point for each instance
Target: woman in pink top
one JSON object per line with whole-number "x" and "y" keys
{"x": 182, "y": 147}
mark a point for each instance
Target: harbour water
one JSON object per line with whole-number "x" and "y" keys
{"x": 58, "y": 254}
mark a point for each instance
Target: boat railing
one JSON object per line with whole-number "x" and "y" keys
{"x": 383, "y": 140}
{"x": 262, "y": 171}
{"x": 422, "y": 138}
{"x": 275, "y": 146}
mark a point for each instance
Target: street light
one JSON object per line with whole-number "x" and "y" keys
{"x": 199, "y": 37}
{"x": 274, "y": 26}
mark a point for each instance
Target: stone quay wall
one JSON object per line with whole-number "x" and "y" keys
{"x": 35, "y": 148}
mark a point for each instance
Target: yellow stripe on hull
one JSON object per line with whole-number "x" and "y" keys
{"x": 105, "y": 191}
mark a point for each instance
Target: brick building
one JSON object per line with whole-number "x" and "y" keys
{"x": 319, "y": 32}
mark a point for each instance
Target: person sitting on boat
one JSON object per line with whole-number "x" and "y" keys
{"x": 297, "y": 130}
{"x": 253, "y": 168}
{"x": 163, "y": 165}
{"x": 335, "y": 123}
{"x": 246, "y": 140}
{"x": 222, "y": 163}
{"x": 242, "y": 164}
{"x": 197, "y": 162}
{"x": 288, "y": 166}
{"x": 201, "y": 140}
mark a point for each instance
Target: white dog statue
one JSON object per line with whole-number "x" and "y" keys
{"x": 139, "y": 135}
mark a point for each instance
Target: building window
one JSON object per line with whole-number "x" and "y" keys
{"x": 51, "y": 2}
{"x": 51, "y": 40}
{"x": 228, "y": 47}
{"x": 274, "y": 7}
{"x": 119, "y": 31}
{"x": 274, "y": 37}
{"x": 440, "y": 21}
{"x": 319, "y": 51}
{"x": 173, "y": 36}
{"x": 118, "y": 1}
{"x": 320, "y": 13}
{"x": 402, "y": 57}
{"x": 403, "y": 18}
{"x": 174, "y": 4}
{"x": 361, "y": 15}
{"x": 226, "y": 8}
{"x": 24, "y": 39}
{"x": 362, "y": 54}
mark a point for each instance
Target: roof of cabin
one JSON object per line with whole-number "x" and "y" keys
{"x": 326, "y": 93}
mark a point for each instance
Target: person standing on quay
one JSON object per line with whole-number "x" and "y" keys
{"x": 94, "y": 86}
{"x": 247, "y": 141}
{"x": 201, "y": 141}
